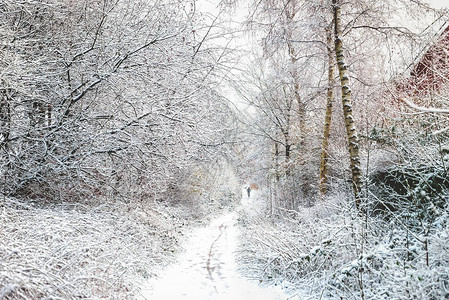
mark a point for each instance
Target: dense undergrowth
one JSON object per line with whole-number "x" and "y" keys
{"x": 72, "y": 251}
{"x": 329, "y": 252}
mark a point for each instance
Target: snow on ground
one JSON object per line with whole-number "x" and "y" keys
{"x": 71, "y": 251}
{"x": 208, "y": 269}
{"x": 68, "y": 251}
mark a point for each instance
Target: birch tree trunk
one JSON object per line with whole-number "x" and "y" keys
{"x": 328, "y": 116}
{"x": 351, "y": 130}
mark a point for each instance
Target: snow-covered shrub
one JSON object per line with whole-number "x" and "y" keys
{"x": 410, "y": 190}
{"x": 414, "y": 185}
{"x": 73, "y": 251}
{"x": 295, "y": 246}
{"x": 330, "y": 252}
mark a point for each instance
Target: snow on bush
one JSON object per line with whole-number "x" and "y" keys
{"x": 74, "y": 251}
{"x": 329, "y": 252}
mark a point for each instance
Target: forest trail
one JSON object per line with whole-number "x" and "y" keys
{"x": 207, "y": 269}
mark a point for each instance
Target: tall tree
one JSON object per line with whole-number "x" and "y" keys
{"x": 100, "y": 95}
{"x": 328, "y": 114}
{"x": 351, "y": 129}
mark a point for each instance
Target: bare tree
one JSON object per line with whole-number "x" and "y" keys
{"x": 105, "y": 95}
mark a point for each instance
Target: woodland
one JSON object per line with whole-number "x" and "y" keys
{"x": 125, "y": 124}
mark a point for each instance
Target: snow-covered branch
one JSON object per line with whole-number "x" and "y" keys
{"x": 425, "y": 109}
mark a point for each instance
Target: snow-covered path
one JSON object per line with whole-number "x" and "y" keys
{"x": 207, "y": 270}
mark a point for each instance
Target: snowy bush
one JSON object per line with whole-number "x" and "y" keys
{"x": 75, "y": 251}
{"x": 416, "y": 191}
{"x": 328, "y": 251}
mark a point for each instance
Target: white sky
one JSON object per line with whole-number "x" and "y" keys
{"x": 439, "y": 3}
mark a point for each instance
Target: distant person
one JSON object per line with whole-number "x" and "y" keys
{"x": 248, "y": 190}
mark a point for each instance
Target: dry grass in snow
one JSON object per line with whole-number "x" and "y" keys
{"x": 74, "y": 251}
{"x": 328, "y": 252}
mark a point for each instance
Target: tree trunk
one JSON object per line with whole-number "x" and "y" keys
{"x": 5, "y": 117}
{"x": 300, "y": 103}
{"x": 276, "y": 161}
{"x": 351, "y": 130}
{"x": 328, "y": 116}
{"x": 287, "y": 152}
{"x": 290, "y": 14}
